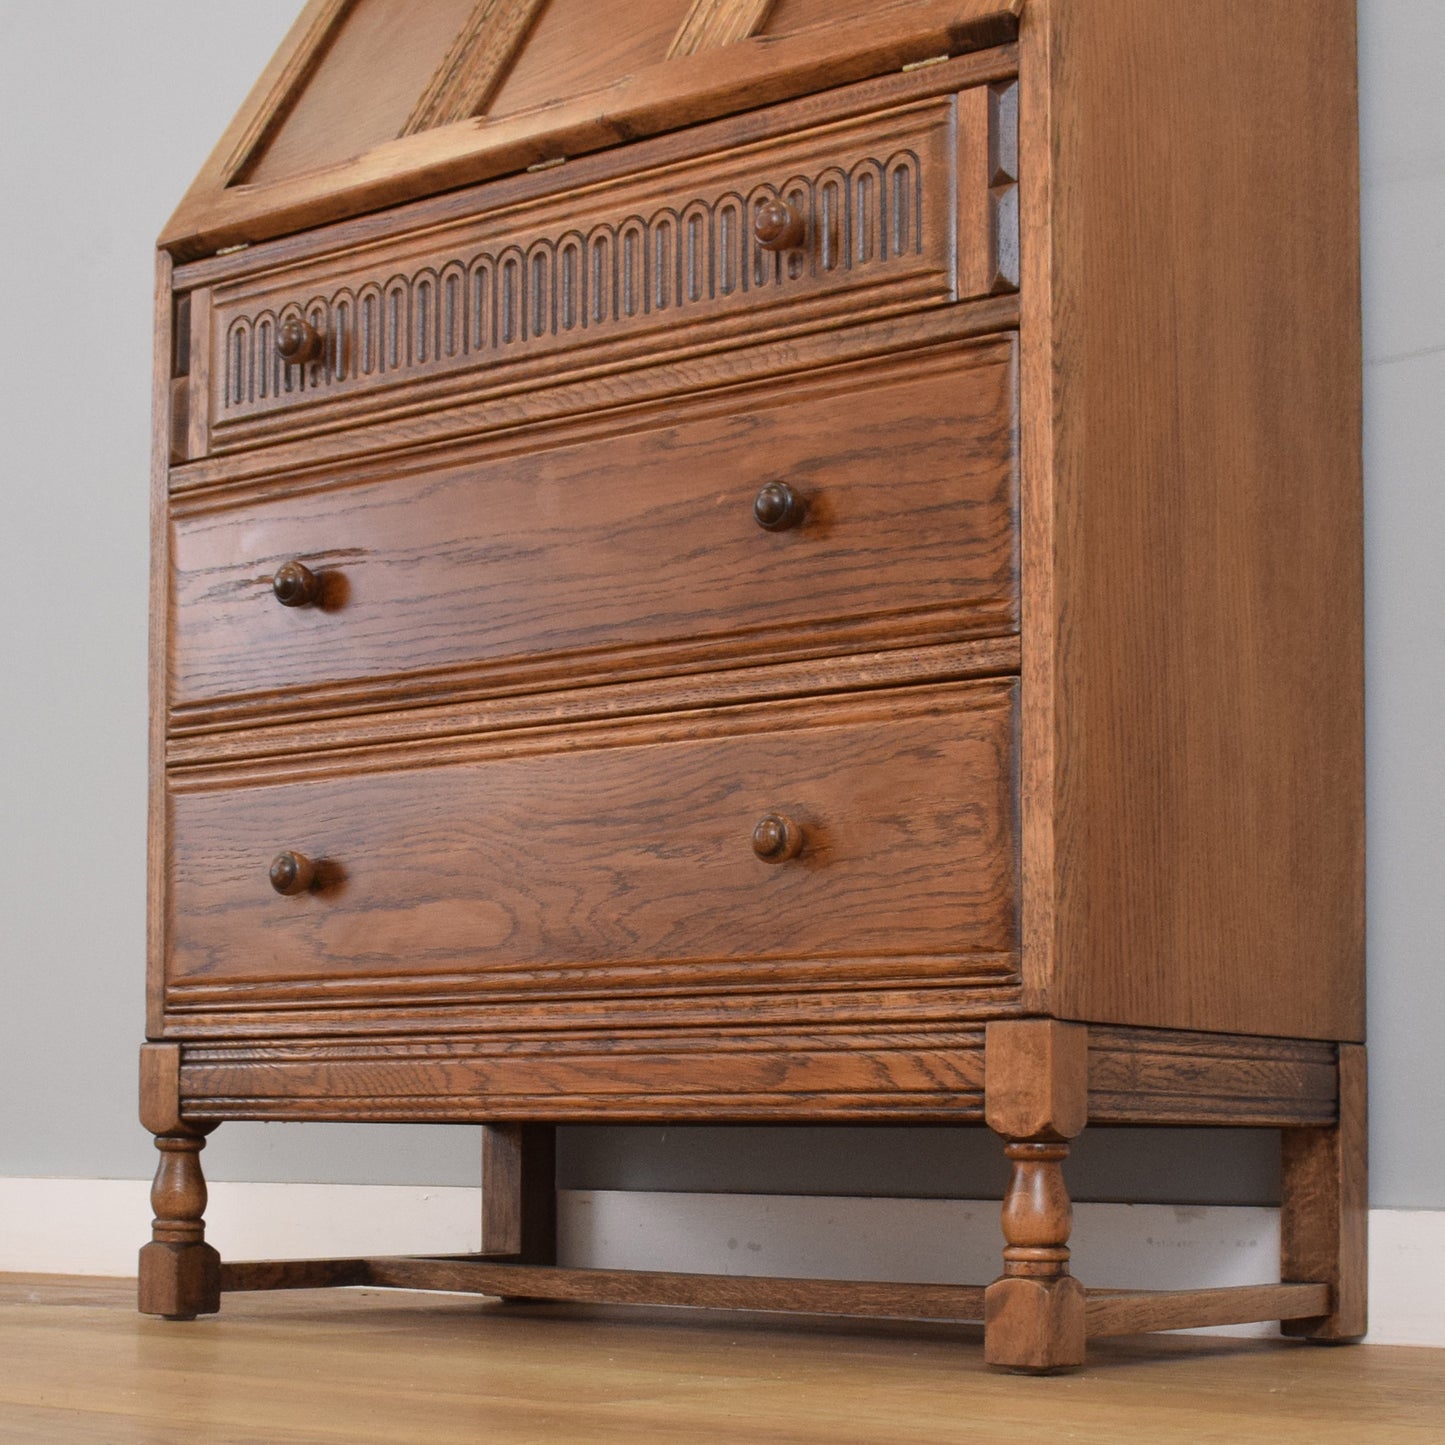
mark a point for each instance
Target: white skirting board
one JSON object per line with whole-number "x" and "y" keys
{"x": 95, "y": 1226}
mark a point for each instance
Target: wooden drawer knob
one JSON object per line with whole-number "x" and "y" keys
{"x": 778, "y": 507}
{"x": 292, "y": 873}
{"x": 298, "y": 341}
{"x": 778, "y": 227}
{"x": 776, "y": 839}
{"x": 296, "y": 585}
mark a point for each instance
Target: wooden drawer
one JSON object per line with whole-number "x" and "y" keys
{"x": 894, "y": 210}
{"x": 613, "y": 861}
{"x": 634, "y": 550}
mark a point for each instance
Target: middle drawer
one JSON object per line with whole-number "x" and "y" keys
{"x": 649, "y": 547}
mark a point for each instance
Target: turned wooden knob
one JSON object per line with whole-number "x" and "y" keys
{"x": 778, "y": 507}
{"x": 296, "y": 585}
{"x": 292, "y": 873}
{"x": 778, "y": 227}
{"x": 298, "y": 341}
{"x": 776, "y": 839}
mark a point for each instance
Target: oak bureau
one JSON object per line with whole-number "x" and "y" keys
{"x": 728, "y": 561}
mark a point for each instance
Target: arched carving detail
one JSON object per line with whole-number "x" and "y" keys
{"x": 394, "y": 353}
{"x": 570, "y": 288}
{"x": 452, "y": 321}
{"x": 367, "y": 347}
{"x": 539, "y": 311}
{"x": 509, "y": 296}
{"x": 600, "y": 283}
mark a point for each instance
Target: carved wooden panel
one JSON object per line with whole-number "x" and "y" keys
{"x": 613, "y": 861}
{"x": 474, "y": 66}
{"x": 643, "y": 267}
{"x": 292, "y": 68}
{"x": 621, "y": 551}
{"x": 579, "y": 49}
{"x": 353, "y": 85}
{"x": 711, "y": 23}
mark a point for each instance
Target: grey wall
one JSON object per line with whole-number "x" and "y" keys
{"x": 1402, "y": 117}
{"x": 106, "y": 113}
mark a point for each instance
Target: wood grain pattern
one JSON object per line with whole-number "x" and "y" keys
{"x": 1036, "y": 1085}
{"x": 582, "y": 46}
{"x": 281, "y": 1274}
{"x": 1107, "y": 1312}
{"x": 650, "y": 264}
{"x": 1192, "y": 558}
{"x": 788, "y": 16}
{"x": 711, "y": 23}
{"x": 646, "y": 101}
{"x": 374, "y": 1369}
{"x": 374, "y": 63}
{"x": 167, "y": 348}
{"x": 649, "y": 538}
{"x": 191, "y": 394}
{"x": 1139, "y": 1076}
{"x": 279, "y": 88}
{"x": 160, "y": 1089}
{"x": 603, "y": 1286}
{"x": 479, "y": 57}
{"x": 179, "y": 1273}
{"x": 599, "y": 702}
{"x": 1324, "y": 1222}
{"x": 644, "y": 743}
{"x": 588, "y": 403}
{"x": 781, "y": 1000}
{"x": 640, "y": 155}
{"x": 987, "y": 120}
{"x": 430, "y": 870}
{"x": 1037, "y": 1078}
{"x": 1133, "y": 1312}
{"x": 826, "y": 1073}
{"x": 519, "y": 1192}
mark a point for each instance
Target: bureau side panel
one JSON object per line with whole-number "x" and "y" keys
{"x": 1192, "y": 546}
{"x": 162, "y": 367}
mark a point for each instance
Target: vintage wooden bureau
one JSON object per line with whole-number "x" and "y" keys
{"x": 729, "y": 561}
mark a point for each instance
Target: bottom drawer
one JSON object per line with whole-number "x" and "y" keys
{"x": 611, "y": 861}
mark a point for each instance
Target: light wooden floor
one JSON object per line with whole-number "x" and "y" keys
{"x": 77, "y": 1364}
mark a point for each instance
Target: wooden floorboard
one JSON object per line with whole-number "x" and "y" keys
{"x": 364, "y": 1365}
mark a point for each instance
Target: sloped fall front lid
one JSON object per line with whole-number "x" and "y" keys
{"x": 372, "y": 102}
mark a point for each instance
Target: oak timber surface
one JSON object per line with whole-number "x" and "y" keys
{"x": 579, "y": 45}
{"x": 368, "y": 1368}
{"x": 902, "y": 802}
{"x": 364, "y": 85}
{"x": 1194, "y": 516}
{"x": 649, "y": 99}
{"x": 657, "y": 262}
{"x": 627, "y": 541}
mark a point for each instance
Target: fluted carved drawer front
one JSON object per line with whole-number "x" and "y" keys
{"x": 776, "y": 521}
{"x": 857, "y": 840}
{"x": 860, "y": 218}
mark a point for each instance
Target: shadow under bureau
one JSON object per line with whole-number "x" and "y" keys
{"x": 744, "y": 562}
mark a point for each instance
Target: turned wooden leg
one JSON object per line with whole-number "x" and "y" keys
{"x": 519, "y": 1192}
{"x": 180, "y": 1274}
{"x": 1325, "y": 1213}
{"x": 1035, "y": 1096}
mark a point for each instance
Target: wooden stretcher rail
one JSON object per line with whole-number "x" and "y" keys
{"x": 1137, "y": 1312}
{"x": 617, "y": 1286}
{"x": 1108, "y": 1312}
